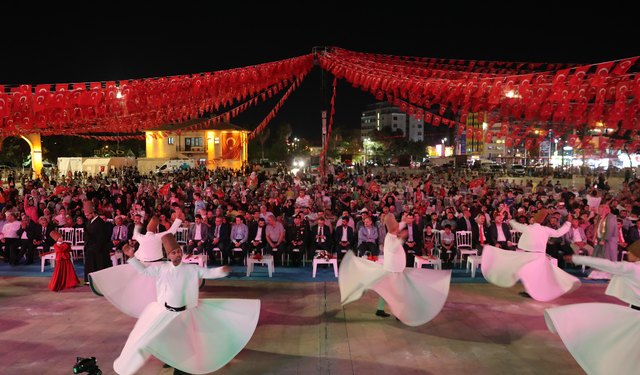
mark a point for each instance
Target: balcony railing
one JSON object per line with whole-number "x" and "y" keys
{"x": 194, "y": 149}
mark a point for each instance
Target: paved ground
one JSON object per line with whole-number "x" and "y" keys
{"x": 303, "y": 329}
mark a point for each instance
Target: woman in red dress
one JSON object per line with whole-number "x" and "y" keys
{"x": 64, "y": 276}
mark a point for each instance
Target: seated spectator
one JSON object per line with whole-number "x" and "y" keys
{"x": 239, "y": 240}
{"x": 367, "y": 237}
{"x": 343, "y": 236}
{"x": 119, "y": 234}
{"x": 196, "y": 236}
{"x": 448, "y": 246}
{"x": 577, "y": 239}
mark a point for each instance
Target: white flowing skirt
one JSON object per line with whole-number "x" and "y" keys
{"x": 602, "y": 337}
{"x": 415, "y": 296}
{"x": 125, "y": 288}
{"x": 541, "y": 279}
{"x": 197, "y": 341}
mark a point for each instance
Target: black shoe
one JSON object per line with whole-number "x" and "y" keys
{"x": 382, "y": 314}
{"x": 166, "y": 366}
{"x": 524, "y": 294}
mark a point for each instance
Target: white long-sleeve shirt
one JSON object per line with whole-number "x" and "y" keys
{"x": 535, "y": 237}
{"x": 151, "y": 243}
{"x": 395, "y": 260}
{"x": 10, "y": 230}
{"x": 625, "y": 284}
{"x": 177, "y": 286}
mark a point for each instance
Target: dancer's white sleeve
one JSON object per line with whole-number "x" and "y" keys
{"x": 211, "y": 273}
{"x": 151, "y": 271}
{"x": 615, "y": 268}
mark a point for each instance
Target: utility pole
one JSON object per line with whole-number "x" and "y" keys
{"x": 323, "y": 101}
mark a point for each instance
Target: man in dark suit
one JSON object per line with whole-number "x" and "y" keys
{"x": 343, "y": 237}
{"x": 42, "y": 238}
{"x": 465, "y": 222}
{"x": 197, "y": 236}
{"x": 297, "y": 235}
{"x": 26, "y": 235}
{"x": 413, "y": 243}
{"x": 480, "y": 233}
{"x": 219, "y": 237}
{"x": 500, "y": 234}
{"x": 320, "y": 238}
{"x": 257, "y": 236}
{"x": 97, "y": 247}
{"x": 434, "y": 223}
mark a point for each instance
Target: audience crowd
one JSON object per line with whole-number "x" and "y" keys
{"x": 236, "y": 213}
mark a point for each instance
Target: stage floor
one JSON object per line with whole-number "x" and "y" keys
{"x": 303, "y": 329}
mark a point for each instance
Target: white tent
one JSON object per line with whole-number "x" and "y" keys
{"x": 97, "y": 165}
{"x": 66, "y": 165}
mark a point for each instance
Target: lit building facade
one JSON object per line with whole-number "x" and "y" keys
{"x": 219, "y": 145}
{"x": 382, "y": 114}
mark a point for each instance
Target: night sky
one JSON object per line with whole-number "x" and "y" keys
{"x": 105, "y": 41}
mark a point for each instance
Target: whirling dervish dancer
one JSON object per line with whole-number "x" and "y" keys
{"x": 188, "y": 334}
{"x": 415, "y": 296}
{"x": 115, "y": 283}
{"x": 603, "y": 337}
{"x": 542, "y": 280}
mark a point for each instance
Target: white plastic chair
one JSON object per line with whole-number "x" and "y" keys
{"x": 181, "y": 235}
{"x": 50, "y": 257}
{"x": 515, "y": 236}
{"x": 78, "y": 241}
{"x": 464, "y": 244}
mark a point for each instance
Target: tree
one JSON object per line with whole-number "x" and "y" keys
{"x": 284, "y": 131}
{"x": 14, "y": 151}
{"x": 264, "y": 136}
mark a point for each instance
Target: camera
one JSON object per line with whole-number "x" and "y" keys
{"x": 88, "y": 365}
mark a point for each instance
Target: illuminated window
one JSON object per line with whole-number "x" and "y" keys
{"x": 170, "y": 140}
{"x": 216, "y": 140}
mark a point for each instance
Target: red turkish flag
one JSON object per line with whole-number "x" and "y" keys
{"x": 517, "y": 140}
{"x": 578, "y": 76}
{"x": 516, "y": 130}
{"x": 543, "y": 133}
{"x": 476, "y": 183}
{"x": 504, "y": 128}
{"x": 411, "y": 110}
{"x": 427, "y": 117}
{"x": 572, "y": 140}
{"x": 479, "y": 134}
{"x": 538, "y": 142}
{"x": 403, "y": 106}
{"x": 589, "y": 149}
{"x": 617, "y": 144}
{"x": 460, "y": 129}
{"x": 624, "y": 65}
{"x": 633, "y": 147}
{"x": 488, "y": 137}
{"x": 442, "y": 109}
{"x": 558, "y": 80}
{"x": 419, "y": 114}
{"x": 41, "y": 98}
{"x": 528, "y": 143}
{"x": 380, "y": 95}
{"x": 601, "y": 73}
{"x": 4, "y": 104}
{"x": 436, "y": 120}
{"x": 445, "y": 121}
{"x": 469, "y": 133}
{"x": 164, "y": 190}
{"x": 463, "y": 118}
{"x": 509, "y": 140}
{"x": 375, "y": 187}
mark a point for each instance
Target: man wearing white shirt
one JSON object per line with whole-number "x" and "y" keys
{"x": 10, "y": 235}
{"x": 303, "y": 199}
{"x": 150, "y": 249}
